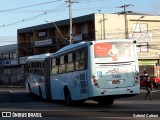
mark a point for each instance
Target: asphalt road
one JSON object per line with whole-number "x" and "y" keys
{"x": 19, "y": 100}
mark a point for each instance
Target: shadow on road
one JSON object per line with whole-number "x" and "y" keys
{"x": 17, "y": 96}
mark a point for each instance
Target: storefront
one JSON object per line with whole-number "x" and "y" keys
{"x": 149, "y": 67}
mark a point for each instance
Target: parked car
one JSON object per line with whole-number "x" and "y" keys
{"x": 155, "y": 80}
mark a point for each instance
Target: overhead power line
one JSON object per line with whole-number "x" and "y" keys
{"x": 125, "y": 18}
{"x": 29, "y": 6}
{"x": 62, "y": 7}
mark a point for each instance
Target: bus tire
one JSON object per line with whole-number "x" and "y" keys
{"x": 67, "y": 95}
{"x": 110, "y": 102}
{"x": 106, "y": 101}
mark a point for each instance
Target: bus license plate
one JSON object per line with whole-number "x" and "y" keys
{"x": 116, "y": 82}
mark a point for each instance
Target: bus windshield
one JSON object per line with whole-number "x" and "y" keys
{"x": 114, "y": 52}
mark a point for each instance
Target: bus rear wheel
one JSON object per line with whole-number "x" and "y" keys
{"x": 106, "y": 101}
{"x": 68, "y": 99}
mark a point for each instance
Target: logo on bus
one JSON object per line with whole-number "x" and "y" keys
{"x": 99, "y": 73}
{"x": 116, "y": 70}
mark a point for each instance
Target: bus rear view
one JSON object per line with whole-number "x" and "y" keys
{"x": 114, "y": 71}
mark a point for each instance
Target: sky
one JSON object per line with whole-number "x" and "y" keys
{"x": 17, "y": 14}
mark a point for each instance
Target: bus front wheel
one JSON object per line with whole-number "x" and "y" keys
{"x": 68, "y": 99}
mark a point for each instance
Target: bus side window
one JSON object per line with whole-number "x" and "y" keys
{"x": 42, "y": 67}
{"x": 80, "y": 60}
{"x": 62, "y": 66}
{"x": 35, "y": 68}
{"x": 70, "y": 64}
{"x": 77, "y": 60}
{"x": 57, "y": 61}
{"x": 53, "y": 62}
{"x": 39, "y": 68}
{"x": 32, "y": 64}
{"x": 54, "y": 66}
{"x": 39, "y": 65}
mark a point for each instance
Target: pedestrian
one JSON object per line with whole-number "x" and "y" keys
{"x": 145, "y": 72}
{"x": 148, "y": 88}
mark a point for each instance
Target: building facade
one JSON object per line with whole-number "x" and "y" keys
{"x": 10, "y": 71}
{"x": 145, "y": 29}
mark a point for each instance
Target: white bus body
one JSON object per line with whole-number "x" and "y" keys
{"x": 99, "y": 70}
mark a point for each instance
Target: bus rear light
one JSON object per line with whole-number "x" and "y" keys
{"x": 136, "y": 78}
{"x": 136, "y": 82}
{"x": 93, "y": 76}
{"x": 95, "y": 81}
{"x": 96, "y": 84}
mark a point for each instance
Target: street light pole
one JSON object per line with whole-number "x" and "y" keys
{"x": 126, "y": 23}
{"x": 70, "y": 17}
{"x": 136, "y": 26}
{"x": 57, "y": 29}
{"x": 125, "y": 18}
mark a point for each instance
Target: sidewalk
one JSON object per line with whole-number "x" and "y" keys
{"x": 144, "y": 90}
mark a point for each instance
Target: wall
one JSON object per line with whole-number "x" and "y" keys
{"x": 114, "y": 26}
{"x": 12, "y": 75}
{"x": 153, "y": 23}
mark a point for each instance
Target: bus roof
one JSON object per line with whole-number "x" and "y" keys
{"x": 71, "y": 46}
{"x": 39, "y": 57}
{"x": 67, "y": 48}
{"x": 80, "y": 44}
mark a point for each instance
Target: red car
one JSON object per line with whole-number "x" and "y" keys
{"x": 155, "y": 80}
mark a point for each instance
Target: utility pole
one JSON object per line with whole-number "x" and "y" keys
{"x": 125, "y": 18}
{"x": 103, "y": 32}
{"x": 70, "y": 19}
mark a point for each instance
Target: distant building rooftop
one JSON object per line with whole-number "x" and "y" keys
{"x": 58, "y": 23}
{"x": 8, "y": 48}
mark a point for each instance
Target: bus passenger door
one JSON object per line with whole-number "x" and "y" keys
{"x": 83, "y": 85}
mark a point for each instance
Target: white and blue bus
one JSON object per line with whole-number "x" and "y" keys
{"x": 101, "y": 70}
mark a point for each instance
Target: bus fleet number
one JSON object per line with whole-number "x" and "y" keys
{"x": 116, "y": 76}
